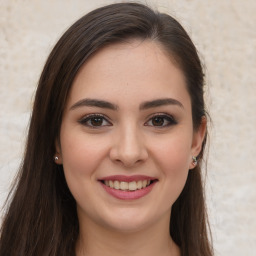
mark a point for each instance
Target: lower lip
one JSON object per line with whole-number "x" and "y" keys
{"x": 128, "y": 195}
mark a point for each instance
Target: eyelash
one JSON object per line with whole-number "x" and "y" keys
{"x": 88, "y": 119}
{"x": 167, "y": 120}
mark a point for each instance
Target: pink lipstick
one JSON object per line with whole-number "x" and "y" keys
{"x": 128, "y": 187}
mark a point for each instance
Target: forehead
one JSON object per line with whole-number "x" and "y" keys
{"x": 128, "y": 70}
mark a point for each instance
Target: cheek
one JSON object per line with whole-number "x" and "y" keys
{"x": 173, "y": 159}
{"x": 81, "y": 155}
{"x": 173, "y": 154}
{"x": 175, "y": 166}
{"x": 81, "y": 158}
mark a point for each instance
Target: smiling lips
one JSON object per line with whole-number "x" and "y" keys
{"x": 128, "y": 187}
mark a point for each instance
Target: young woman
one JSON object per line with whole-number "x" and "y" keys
{"x": 116, "y": 139}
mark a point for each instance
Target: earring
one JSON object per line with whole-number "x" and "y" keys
{"x": 56, "y": 158}
{"x": 194, "y": 160}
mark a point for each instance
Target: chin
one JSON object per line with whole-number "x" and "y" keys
{"x": 128, "y": 227}
{"x": 130, "y": 221}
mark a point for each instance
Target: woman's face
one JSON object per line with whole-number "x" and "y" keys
{"x": 127, "y": 139}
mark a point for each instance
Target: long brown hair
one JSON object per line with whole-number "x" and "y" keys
{"x": 41, "y": 218}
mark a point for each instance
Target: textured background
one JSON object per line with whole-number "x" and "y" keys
{"x": 225, "y": 35}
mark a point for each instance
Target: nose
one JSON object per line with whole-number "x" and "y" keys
{"x": 129, "y": 147}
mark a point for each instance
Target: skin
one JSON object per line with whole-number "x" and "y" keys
{"x": 128, "y": 140}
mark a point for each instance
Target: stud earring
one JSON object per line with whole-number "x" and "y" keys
{"x": 194, "y": 160}
{"x": 56, "y": 158}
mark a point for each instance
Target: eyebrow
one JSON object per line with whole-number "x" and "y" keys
{"x": 108, "y": 105}
{"x": 94, "y": 103}
{"x": 159, "y": 103}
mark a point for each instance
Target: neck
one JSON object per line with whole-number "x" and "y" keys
{"x": 96, "y": 240}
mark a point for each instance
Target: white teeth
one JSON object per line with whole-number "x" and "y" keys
{"x": 132, "y": 185}
{"x": 111, "y": 184}
{"x": 116, "y": 184}
{"x": 123, "y": 185}
{"x": 139, "y": 184}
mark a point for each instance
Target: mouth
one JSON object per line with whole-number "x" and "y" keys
{"x": 128, "y": 187}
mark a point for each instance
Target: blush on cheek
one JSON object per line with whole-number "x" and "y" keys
{"x": 80, "y": 154}
{"x": 176, "y": 167}
{"x": 175, "y": 158}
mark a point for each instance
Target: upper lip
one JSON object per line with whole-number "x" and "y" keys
{"x": 127, "y": 178}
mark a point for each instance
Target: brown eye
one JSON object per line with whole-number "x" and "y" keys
{"x": 161, "y": 120}
{"x": 158, "y": 121}
{"x": 94, "y": 121}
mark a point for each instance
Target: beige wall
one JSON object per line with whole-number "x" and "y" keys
{"x": 225, "y": 34}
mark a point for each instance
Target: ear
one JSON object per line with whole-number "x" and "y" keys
{"x": 57, "y": 155}
{"x": 198, "y": 138}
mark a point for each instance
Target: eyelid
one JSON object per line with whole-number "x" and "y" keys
{"x": 164, "y": 115}
{"x": 87, "y": 117}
